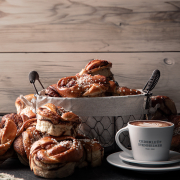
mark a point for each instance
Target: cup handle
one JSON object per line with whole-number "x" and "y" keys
{"x": 118, "y": 142}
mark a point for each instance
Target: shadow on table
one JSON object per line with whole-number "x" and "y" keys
{"x": 104, "y": 172}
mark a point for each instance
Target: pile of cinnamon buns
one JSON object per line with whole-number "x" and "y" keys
{"x": 95, "y": 80}
{"x": 48, "y": 140}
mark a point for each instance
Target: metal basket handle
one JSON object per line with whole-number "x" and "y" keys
{"x": 150, "y": 85}
{"x": 33, "y": 76}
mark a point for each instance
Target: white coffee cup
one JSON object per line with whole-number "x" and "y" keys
{"x": 150, "y": 139}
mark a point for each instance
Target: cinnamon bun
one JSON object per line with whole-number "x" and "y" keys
{"x": 124, "y": 91}
{"x": 93, "y": 152}
{"x": 7, "y": 135}
{"x": 83, "y": 86}
{"x": 52, "y": 91}
{"x": 55, "y": 121}
{"x": 55, "y": 157}
{"x": 23, "y": 109}
{"x": 24, "y": 141}
{"x": 166, "y": 109}
{"x": 15, "y": 118}
{"x": 98, "y": 66}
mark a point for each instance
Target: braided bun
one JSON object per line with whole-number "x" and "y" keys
{"x": 55, "y": 121}
{"x": 7, "y": 135}
{"x": 98, "y": 66}
{"x": 52, "y": 91}
{"x": 167, "y": 107}
{"x": 23, "y": 109}
{"x": 124, "y": 91}
{"x": 83, "y": 86}
{"x": 55, "y": 157}
{"x": 24, "y": 141}
{"x": 93, "y": 152}
{"x": 15, "y": 118}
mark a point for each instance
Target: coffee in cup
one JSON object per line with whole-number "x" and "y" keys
{"x": 150, "y": 139}
{"x": 151, "y": 123}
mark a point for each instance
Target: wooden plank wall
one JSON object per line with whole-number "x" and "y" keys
{"x": 58, "y": 38}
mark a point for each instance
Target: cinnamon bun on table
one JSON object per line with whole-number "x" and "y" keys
{"x": 8, "y": 132}
{"x": 55, "y": 121}
{"x": 93, "y": 152}
{"x": 24, "y": 109}
{"x": 55, "y": 157}
{"x": 22, "y": 144}
{"x": 16, "y": 119}
{"x": 166, "y": 108}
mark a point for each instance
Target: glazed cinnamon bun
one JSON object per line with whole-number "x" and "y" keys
{"x": 52, "y": 91}
{"x": 55, "y": 121}
{"x": 124, "y": 91}
{"x": 166, "y": 109}
{"x": 15, "y": 118}
{"x": 23, "y": 143}
{"x": 7, "y": 135}
{"x": 93, "y": 152}
{"x": 25, "y": 109}
{"x": 83, "y": 86}
{"x": 55, "y": 157}
{"x": 97, "y": 66}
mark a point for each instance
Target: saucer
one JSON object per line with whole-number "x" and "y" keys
{"x": 174, "y": 157}
{"x": 114, "y": 160}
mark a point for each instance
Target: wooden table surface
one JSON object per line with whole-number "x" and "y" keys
{"x": 103, "y": 172}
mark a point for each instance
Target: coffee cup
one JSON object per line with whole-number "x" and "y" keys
{"x": 150, "y": 139}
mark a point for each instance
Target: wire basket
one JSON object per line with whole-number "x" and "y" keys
{"x": 99, "y": 118}
{"x": 105, "y": 132}
{"x": 102, "y": 117}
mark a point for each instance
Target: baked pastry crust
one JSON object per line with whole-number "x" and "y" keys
{"x": 124, "y": 91}
{"x": 22, "y": 144}
{"x": 7, "y": 135}
{"x": 55, "y": 157}
{"x": 55, "y": 121}
{"x": 82, "y": 86}
{"x": 97, "y": 66}
{"x": 166, "y": 109}
{"x": 52, "y": 91}
{"x": 15, "y": 118}
{"x": 93, "y": 152}
{"x": 23, "y": 109}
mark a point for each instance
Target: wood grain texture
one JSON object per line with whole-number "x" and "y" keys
{"x": 130, "y": 69}
{"x": 89, "y": 25}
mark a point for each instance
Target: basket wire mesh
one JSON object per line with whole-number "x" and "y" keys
{"x": 104, "y": 128}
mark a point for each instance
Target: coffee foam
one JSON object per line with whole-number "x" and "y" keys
{"x": 150, "y": 124}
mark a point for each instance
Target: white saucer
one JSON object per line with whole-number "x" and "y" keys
{"x": 174, "y": 157}
{"x": 114, "y": 160}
